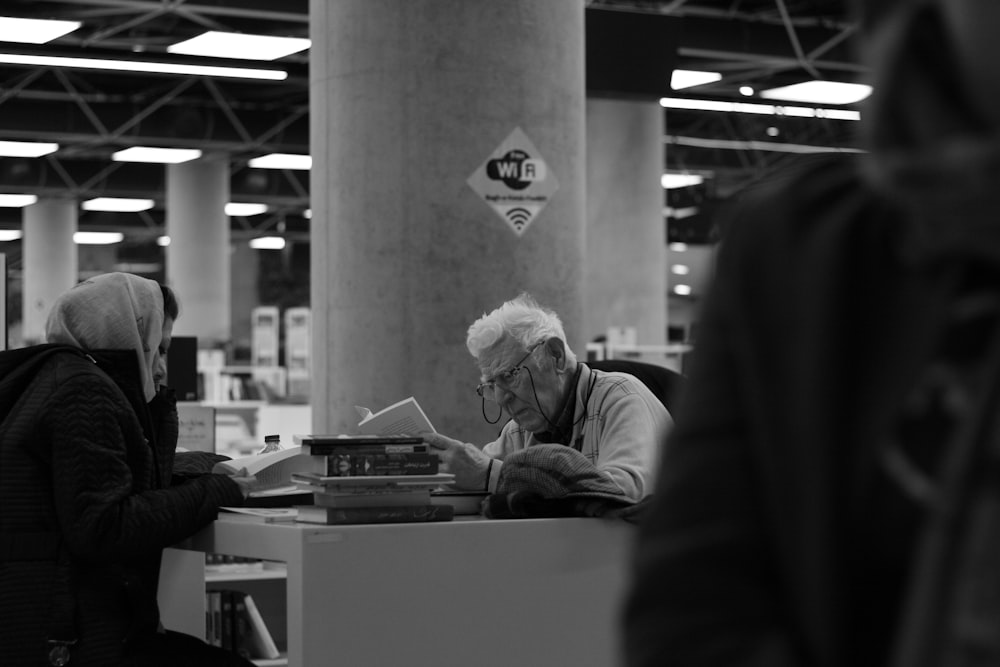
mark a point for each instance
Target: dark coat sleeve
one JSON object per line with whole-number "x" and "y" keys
{"x": 105, "y": 486}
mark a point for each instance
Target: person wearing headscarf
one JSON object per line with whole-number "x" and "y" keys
{"x": 829, "y": 496}
{"x": 88, "y": 499}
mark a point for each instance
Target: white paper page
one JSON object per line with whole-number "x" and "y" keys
{"x": 403, "y": 418}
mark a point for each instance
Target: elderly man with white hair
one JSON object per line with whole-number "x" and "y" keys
{"x": 573, "y": 431}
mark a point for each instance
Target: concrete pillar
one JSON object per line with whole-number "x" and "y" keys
{"x": 95, "y": 259}
{"x": 244, "y": 274}
{"x": 198, "y": 257}
{"x": 50, "y": 261}
{"x": 626, "y": 268}
{"x": 408, "y": 100}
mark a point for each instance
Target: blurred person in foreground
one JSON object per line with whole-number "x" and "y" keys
{"x": 87, "y": 498}
{"x": 829, "y": 498}
{"x": 575, "y": 434}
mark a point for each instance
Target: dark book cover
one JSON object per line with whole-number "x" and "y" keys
{"x": 353, "y": 465}
{"x": 242, "y": 631}
{"x": 354, "y": 440}
{"x": 390, "y": 514}
{"x": 226, "y": 620}
{"x": 384, "y": 448}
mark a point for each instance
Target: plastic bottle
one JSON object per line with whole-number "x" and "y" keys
{"x": 272, "y": 443}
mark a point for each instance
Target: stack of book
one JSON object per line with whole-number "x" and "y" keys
{"x": 370, "y": 479}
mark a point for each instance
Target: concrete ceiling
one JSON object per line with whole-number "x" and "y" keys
{"x": 631, "y": 47}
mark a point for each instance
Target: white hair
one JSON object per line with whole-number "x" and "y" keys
{"x": 520, "y": 319}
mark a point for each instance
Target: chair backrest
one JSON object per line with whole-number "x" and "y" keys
{"x": 665, "y": 383}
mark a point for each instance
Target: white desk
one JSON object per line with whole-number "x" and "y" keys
{"x": 525, "y": 593}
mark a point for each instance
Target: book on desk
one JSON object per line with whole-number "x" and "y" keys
{"x": 339, "y": 499}
{"x": 374, "y": 514}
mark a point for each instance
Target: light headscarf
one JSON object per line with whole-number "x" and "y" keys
{"x": 112, "y": 311}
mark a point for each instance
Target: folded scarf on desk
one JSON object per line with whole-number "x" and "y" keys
{"x": 556, "y": 481}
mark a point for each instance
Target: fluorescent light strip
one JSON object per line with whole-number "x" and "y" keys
{"x": 239, "y": 209}
{"x": 9, "y": 235}
{"x": 672, "y": 181}
{"x": 26, "y": 148}
{"x": 761, "y": 109}
{"x": 820, "y": 92}
{"x": 698, "y": 142}
{"x": 282, "y": 161}
{"x": 267, "y": 243}
{"x": 238, "y": 45}
{"x": 680, "y": 213}
{"x": 117, "y": 204}
{"x": 97, "y": 238}
{"x": 141, "y": 66}
{"x": 34, "y": 31}
{"x": 152, "y": 155}
{"x": 687, "y": 78}
{"x": 17, "y": 201}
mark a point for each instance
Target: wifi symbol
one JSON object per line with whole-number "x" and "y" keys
{"x": 519, "y": 217}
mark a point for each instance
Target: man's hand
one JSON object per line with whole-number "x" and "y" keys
{"x": 464, "y": 460}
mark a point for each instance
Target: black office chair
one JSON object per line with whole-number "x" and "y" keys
{"x": 665, "y": 383}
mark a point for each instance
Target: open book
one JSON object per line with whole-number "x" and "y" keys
{"x": 402, "y": 418}
{"x": 272, "y": 470}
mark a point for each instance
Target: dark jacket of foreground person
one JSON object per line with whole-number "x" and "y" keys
{"x": 87, "y": 502}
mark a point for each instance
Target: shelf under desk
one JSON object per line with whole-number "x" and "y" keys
{"x": 464, "y": 592}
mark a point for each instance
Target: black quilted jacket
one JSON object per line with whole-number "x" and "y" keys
{"x": 86, "y": 490}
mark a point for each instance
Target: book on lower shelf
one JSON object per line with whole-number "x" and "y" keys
{"x": 374, "y": 514}
{"x": 233, "y": 622}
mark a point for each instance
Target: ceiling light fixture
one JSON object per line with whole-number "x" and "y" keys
{"x": 34, "y": 31}
{"x": 17, "y": 201}
{"x": 154, "y": 155}
{"x": 97, "y": 238}
{"x": 237, "y": 45}
{"x": 267, "y": 243}
{"x": 117, "y": 204}
{"x": 680, "y": 269}
{"x": 775, "y": 146}
{"x": 163, "y": 241}
{"x": 820, "y": 92}
{"x": 680, "y": 213}
{"x": 682, "y": 290}
{"x": 26, "y": 148}
{"x": 688, "y": 78}
{"x": 244, "y": 210}
{"x": 762, "y": 109}
{"x": 282, "y": 161}
{"x": 142, "y": 66}
{"x": 9, "y": 235}
{"x": 677, "y": 246}
{"x": 671, "y": 181}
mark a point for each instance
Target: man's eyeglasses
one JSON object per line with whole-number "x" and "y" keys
{"x": 507, "y": 379}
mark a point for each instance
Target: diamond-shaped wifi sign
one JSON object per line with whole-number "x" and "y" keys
{"x": 515, "y": 181}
